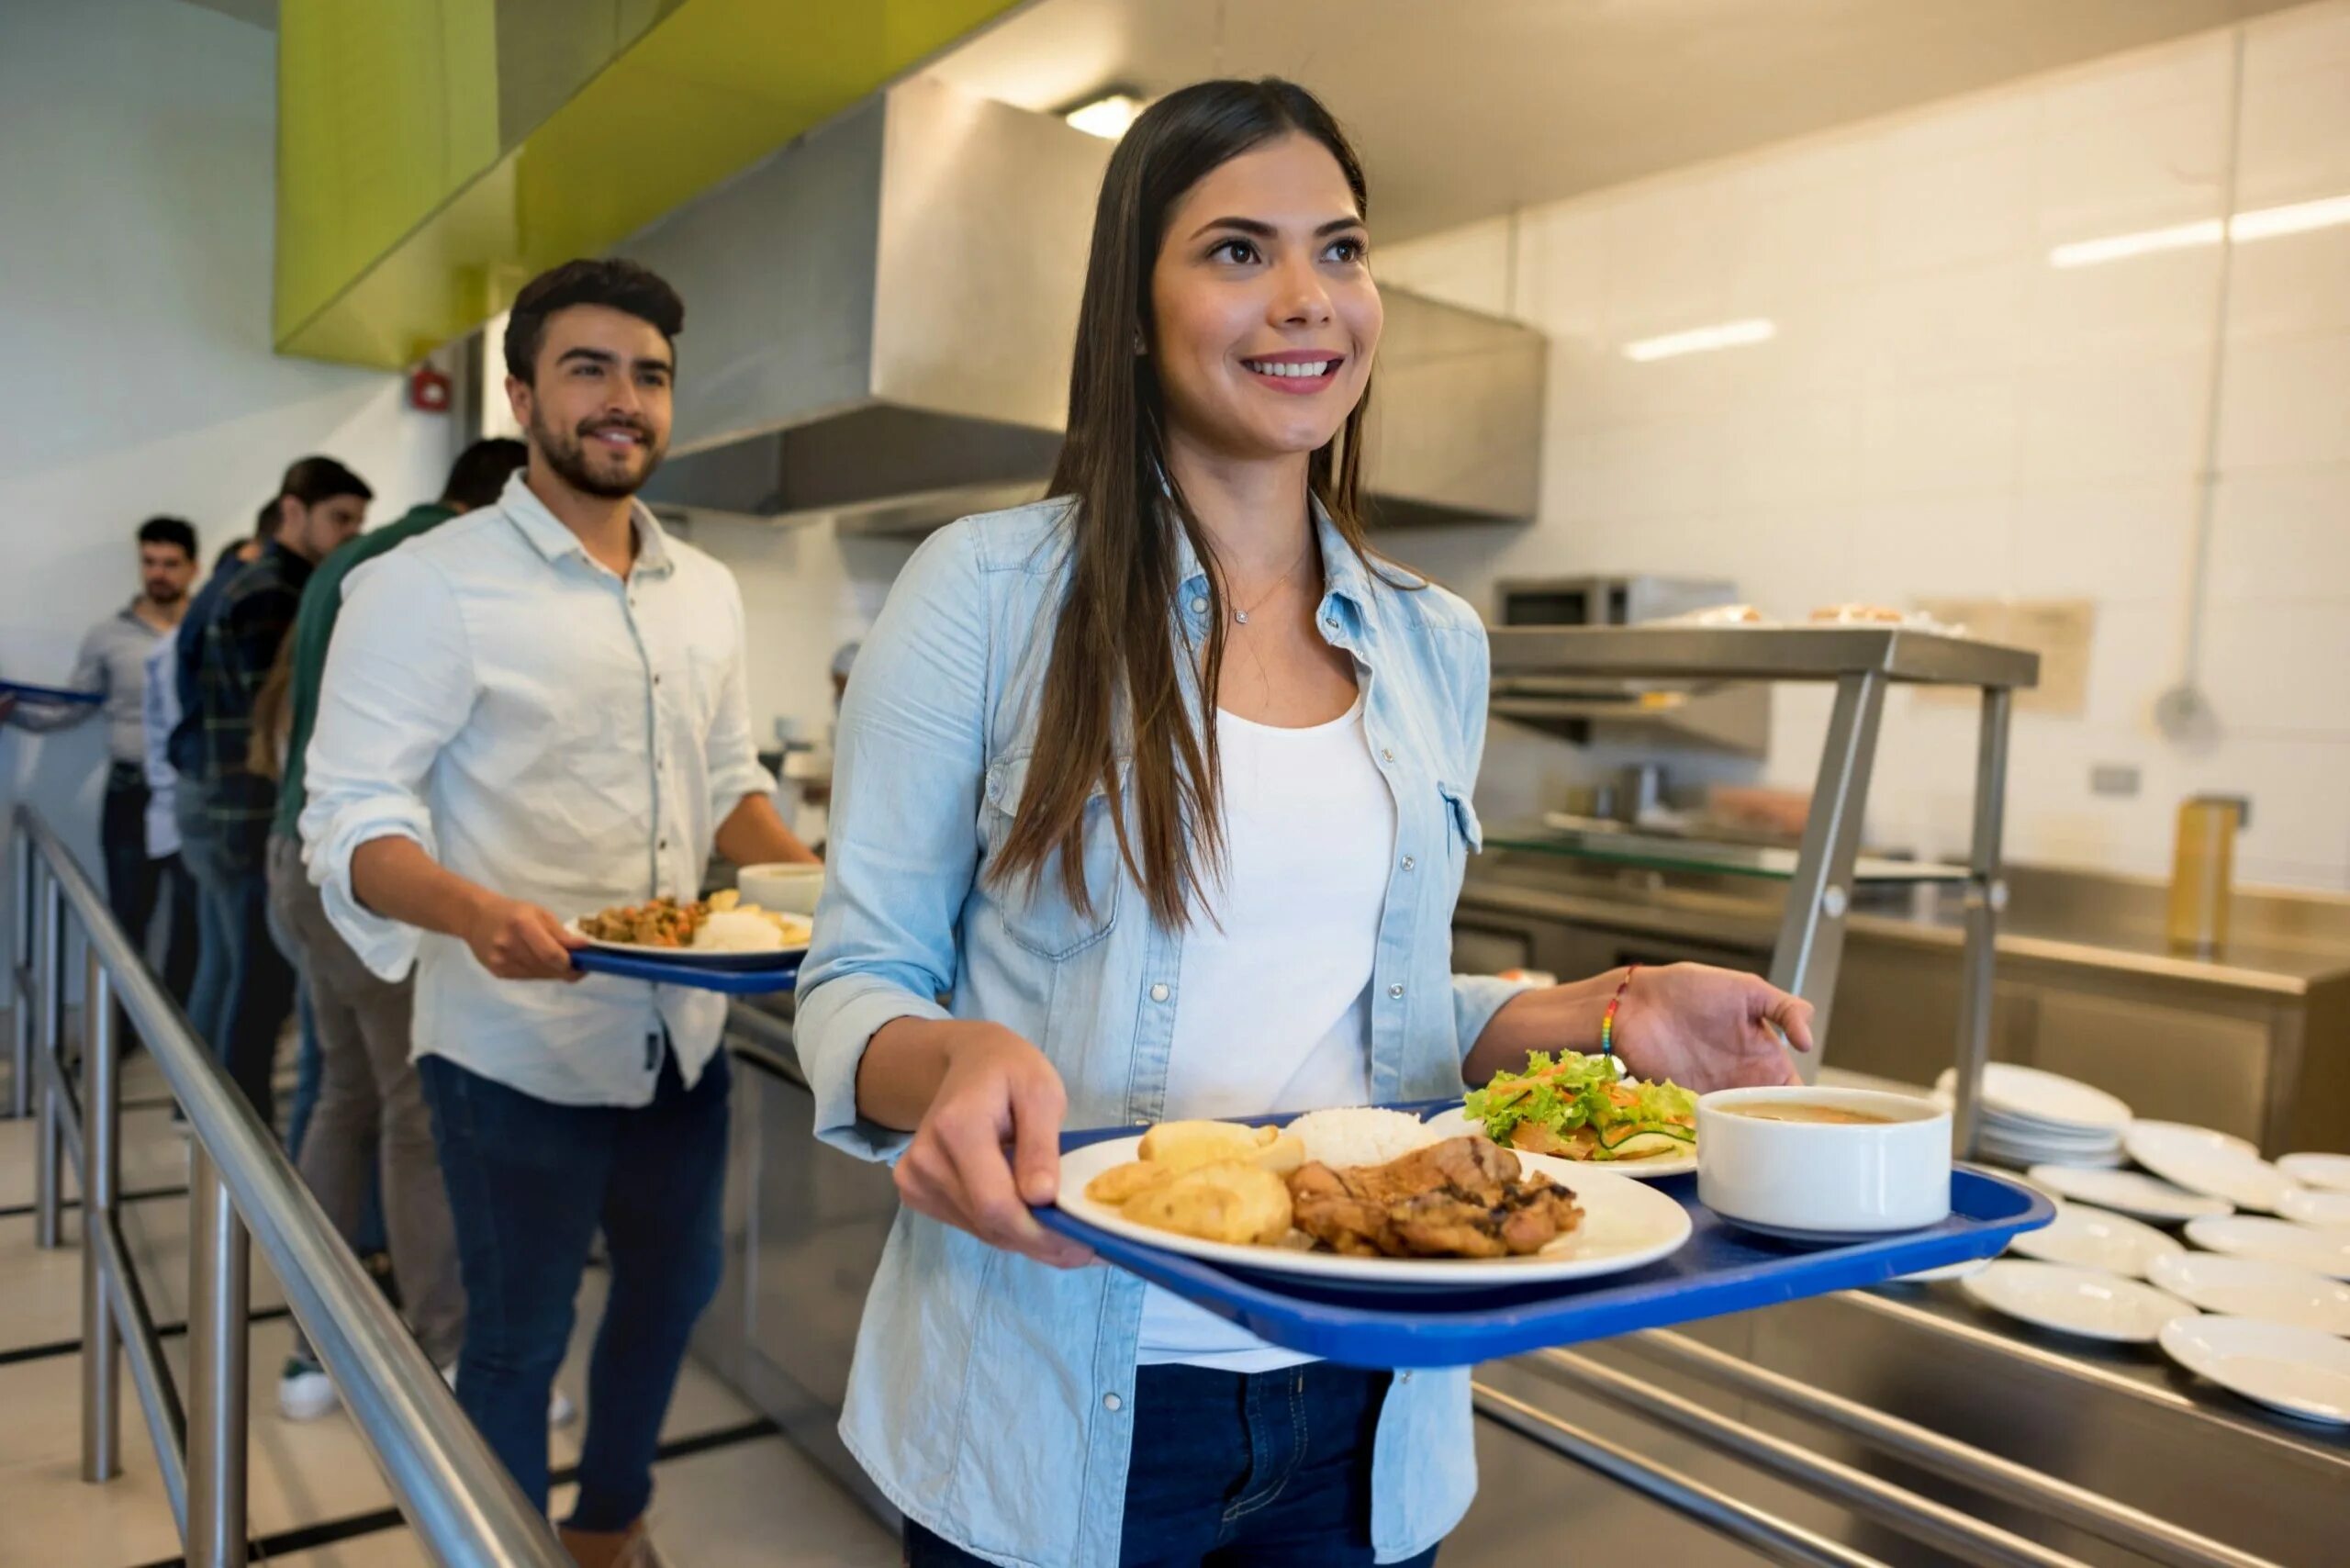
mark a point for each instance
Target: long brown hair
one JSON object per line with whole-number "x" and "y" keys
{"x": 1117, "y": 647}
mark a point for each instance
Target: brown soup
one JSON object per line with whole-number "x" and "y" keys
{"x": 1804, "y": 1111}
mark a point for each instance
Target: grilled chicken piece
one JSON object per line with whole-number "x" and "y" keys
{"x": 1462, "y": 1198}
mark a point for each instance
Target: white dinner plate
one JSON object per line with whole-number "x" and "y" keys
{"x": 2304, "y": 1206}
{"x": 2087, "y": 1301}
{"x": 2039, "y": 1098}
{"x": 2127, "y": 1192}
{"x": 2202, "y": 1135}
{"x": 2091, "y": 1238}
{"x": 2186, "y": 1159}
{"x": 2253, "y": 1287}
{"x": 2024, "y": 1152}
{"x": 2331, "y": 1171}
{"x": 705, "y": 957}
{"x": 2278, "y": 1241}
{"x": 2297, "y": 1371}
{"x": 1455, "y": 1123}
{"x": 1626, "y": 1224}
{"x": 2067, "y": 1137}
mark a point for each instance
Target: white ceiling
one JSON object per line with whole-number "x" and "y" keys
{"x": 1466, "y": 108}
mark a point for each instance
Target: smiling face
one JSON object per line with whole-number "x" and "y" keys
{"x": 596, "y": 406}
{"x": 1264, "y": 316}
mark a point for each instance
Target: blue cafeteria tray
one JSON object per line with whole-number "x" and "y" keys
{"x": 54, "y": 695}
{"x": 1719, "y": 1269}
{"x": 762, "y": 974}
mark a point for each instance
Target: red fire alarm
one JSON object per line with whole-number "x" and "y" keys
{"x": 428, "y": 389}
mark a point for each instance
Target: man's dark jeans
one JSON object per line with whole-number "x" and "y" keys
{"x": 530, "y": 1184}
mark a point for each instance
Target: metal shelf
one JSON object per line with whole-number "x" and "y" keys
{"x": 1863, "y": 662}
{"x": 1652, "y": 853}
{"x": 1761, "y": 653}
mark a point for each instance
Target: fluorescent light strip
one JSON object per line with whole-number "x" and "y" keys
{"x": 1700, "y": 339}
{"x": 2264, "y": 223}
{"x": 1106, "y": 116}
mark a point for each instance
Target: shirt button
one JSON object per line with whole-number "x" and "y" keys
{"x": 1396, "y": 990}
{"x": 1404, "y": 1376}
{"x": 1408, "y": 862}
{"x": 1158, "y": 993}
{"x": 1113, "y": 1403}
{"x": 1199, "y": 607}
{"x": 657, "y": 680}
{"x": 664, "y": 843}
{"x": 1385, "y": 755}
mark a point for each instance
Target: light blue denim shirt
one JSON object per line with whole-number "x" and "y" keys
{"x": 993, "y": 1398}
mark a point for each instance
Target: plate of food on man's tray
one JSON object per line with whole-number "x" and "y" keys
{"x": 719, "y": 931}
{"x": 1364, "y": 1195}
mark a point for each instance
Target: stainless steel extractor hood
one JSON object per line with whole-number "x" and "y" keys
{"x": 879, "y": 319}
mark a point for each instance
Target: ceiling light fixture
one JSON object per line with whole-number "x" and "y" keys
{"x": 1700, "y": 339}
{"x": 1107, "y": 116}
{"x": 2262, "y": 223}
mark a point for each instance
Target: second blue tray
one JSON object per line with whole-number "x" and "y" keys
{"x": 54, "y": 696}
{"x": 781, "y": 975}
{"x": 1719, "y": 1269}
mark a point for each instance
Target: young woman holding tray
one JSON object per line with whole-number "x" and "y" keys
{"x": 1164, "y": 784}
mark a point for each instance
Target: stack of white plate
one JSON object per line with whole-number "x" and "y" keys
{"x": 2030, "y": 1117}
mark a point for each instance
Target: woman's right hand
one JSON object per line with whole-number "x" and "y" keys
{"x": 998, "y": 1090}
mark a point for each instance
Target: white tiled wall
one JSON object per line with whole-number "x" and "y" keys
{"x": 1945, "y": 412}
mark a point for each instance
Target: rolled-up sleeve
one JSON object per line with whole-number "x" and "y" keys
{"x": 399, "y": 684}
{"x": 1475, "y": 998}
{"x": 904, "y": 834}
{"x": 732, "y": 755}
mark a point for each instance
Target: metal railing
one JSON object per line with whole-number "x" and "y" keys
{"x": 463, "y": 1505}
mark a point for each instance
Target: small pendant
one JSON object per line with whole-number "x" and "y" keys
{"x": 1241, "y": 616}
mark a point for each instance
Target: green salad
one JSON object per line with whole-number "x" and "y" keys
{"x": 1578, "y": 1108}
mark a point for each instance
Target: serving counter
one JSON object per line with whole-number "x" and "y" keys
{"x": 1900, "y": 1426}
{"x": 2254, "y": 1039}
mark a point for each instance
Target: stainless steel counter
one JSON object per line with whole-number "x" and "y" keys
{"x": 2254, "y": 1038}
{"x": 805, "y": 1227}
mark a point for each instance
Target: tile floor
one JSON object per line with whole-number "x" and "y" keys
{"x": 747, "y": 1496}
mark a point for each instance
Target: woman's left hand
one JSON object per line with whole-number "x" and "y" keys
{"x": 1706, "y": 1028}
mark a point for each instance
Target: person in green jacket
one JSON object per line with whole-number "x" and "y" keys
{"x": 371, "y": 1116}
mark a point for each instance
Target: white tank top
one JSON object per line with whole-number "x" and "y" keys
{"x": 1273, "y": 1000}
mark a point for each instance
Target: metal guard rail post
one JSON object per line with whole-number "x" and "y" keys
{"x": 464, "y": 1506}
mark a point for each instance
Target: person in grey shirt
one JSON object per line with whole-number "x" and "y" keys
{"x": 113, "y": 666}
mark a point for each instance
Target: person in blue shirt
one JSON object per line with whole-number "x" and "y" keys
{"x": 1152, "y": 800}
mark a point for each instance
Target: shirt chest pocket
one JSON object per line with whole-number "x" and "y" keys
{"x": 1038, "y": 914}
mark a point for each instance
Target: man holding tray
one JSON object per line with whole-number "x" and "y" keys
{"x": 533, "y": 713}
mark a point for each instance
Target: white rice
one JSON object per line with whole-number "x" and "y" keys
{"x": 737, "y": 931}
{"x": 1362, "y": 1134}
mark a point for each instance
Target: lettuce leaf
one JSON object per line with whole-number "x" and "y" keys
{"x": 1571, "y": 1092}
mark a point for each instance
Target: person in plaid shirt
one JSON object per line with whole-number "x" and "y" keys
{"x": 321, "y": 504}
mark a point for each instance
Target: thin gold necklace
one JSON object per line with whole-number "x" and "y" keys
{"x": 1241, "y": 616}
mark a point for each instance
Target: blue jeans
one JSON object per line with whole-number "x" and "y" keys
{"x": 530, "y": 1183}
{"x": 1238, "y": 1471}
{"x": 199, "y": 856}
{"x": 260, "y": 994}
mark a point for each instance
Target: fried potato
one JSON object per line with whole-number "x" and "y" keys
{"x": 1187, "y": 1145}
{"x": 1226, "y": 1200}
{"x": 1283, "y": 1155}
{"x": 724, "y": 900}
{"x": 1122, "y": 1183}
